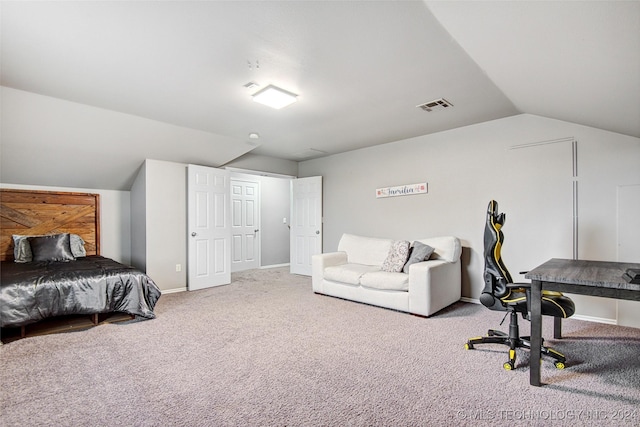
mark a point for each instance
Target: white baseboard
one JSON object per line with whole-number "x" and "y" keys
{"x": 174, "y": 290}
{"x": 595, "y": 319}
{"x": 575, "y": 316}
{"x": 274, "y": 266}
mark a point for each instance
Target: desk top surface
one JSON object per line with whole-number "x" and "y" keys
{"x": 605, "y": 274}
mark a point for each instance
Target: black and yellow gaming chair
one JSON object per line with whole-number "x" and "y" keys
{"x": 501, "y": 294}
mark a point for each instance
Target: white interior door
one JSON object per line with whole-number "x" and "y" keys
{"x": 306, "y": 223}
{"x": 245, "y": 225}
{"x": 208, "y": 227}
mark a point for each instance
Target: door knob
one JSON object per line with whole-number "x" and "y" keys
{"x": 317, "y": 231}
{"x": 194, "y": 234}
{"x": 256, "y": 230}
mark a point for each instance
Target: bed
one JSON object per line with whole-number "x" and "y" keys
{"x": 51, "y": 267}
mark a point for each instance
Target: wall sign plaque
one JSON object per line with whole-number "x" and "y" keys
{"x": 402, "y": 190}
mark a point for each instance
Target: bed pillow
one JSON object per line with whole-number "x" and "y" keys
{"x": 419, "y": 252}
{"x": 51, "y": 248}
{"x": 22, "y": 248}
{"x": 397, "y": 257}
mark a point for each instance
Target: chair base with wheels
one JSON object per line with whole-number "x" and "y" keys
{"x": 513, "y": 340}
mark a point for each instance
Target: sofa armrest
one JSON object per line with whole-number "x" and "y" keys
{"x": 321, "y": 261}
{"x": 433, "y": 285}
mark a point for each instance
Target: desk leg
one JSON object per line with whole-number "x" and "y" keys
{"x": 536, "y": 332}
{"x": 557, "y": 328}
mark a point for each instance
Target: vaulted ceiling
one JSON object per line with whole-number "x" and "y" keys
{"x": 360, "y": 68}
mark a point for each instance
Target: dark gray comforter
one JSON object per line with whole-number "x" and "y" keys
{"x": 34, "y": 291}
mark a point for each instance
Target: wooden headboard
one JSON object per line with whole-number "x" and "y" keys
{"x": 28, "y": 212}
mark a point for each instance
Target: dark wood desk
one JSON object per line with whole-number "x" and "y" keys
{"x": 597, "y": 278}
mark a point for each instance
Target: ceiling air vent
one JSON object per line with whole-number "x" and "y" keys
{"x": 435, "y": 105}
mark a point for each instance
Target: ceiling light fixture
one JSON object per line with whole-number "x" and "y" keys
{"x": 275, "y": 97}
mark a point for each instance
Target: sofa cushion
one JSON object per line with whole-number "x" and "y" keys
{"x": 348, "y": 273}
{"x": 385, "y": 280}
{"x": 419, "y": 252}
{"x": 364, "y": 250}
{"x": 397, "y": 256}
{"x": 447, "y": 248}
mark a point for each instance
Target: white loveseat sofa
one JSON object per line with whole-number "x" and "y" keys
{"x": 355, "y": 273}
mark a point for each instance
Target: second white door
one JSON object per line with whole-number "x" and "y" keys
{"x": 245, "y": 225}
{"x": 306, "y": 223}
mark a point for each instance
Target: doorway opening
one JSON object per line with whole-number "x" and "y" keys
{"x": 260, "y": 209}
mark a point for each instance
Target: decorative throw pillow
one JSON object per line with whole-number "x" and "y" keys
{"x": 397, "y": 257}
{"x": 419, "y": 252}
{"x": 51, "y": 248}
{"x": 77, "y": 246}
{"x": 22, "y": 248}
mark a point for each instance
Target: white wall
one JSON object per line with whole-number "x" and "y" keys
{"x": 159, "y": 222}
{"x": 166, "y": 219}
{"x": 139, "y": 220}
{"x": 467, "y": 167}
{"x": 115, "y": 214}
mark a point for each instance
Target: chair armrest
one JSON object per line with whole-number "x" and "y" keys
{"x": 519, "y": 285}
{"x": 321, "y": 261}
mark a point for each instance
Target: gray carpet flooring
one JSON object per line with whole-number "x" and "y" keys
{"x": 267, "y": 351}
